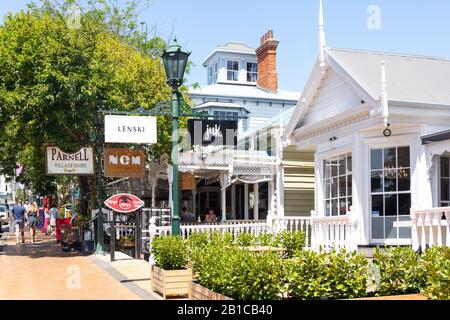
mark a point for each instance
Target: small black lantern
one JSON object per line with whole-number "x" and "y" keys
{"x": 175, "y": 62}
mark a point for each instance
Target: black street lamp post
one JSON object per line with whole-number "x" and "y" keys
{"x": 175, "y": 61}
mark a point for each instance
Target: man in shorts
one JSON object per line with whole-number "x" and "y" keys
{"x": 19, "y": 221}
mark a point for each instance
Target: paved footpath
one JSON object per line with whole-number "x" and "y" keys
{"x": 43, "y": 271}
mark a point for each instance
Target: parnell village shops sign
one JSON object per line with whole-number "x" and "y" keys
{"x": 60, "y": 163}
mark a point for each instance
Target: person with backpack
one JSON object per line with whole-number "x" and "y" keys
{"x": 19, "y": 212}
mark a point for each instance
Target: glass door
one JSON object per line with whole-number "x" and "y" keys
{"x": 390, "y": 174}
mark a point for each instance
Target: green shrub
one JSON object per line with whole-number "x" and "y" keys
{"x": 244, "y": 239}
{"x": 400, "y": 271}
{"x": 292, "y": 241}
{"x": 347, "y": 274}
{"x": 170, "y": 252}
{"x": 307, "y": 276}
{"x": 264, "y": 239}
{"x": 238, "y": 273}
{"x": 436, "y": 265}
{"x": 336, "y": 275}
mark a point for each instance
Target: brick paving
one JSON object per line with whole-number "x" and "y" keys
{"x": 43, "y": 271}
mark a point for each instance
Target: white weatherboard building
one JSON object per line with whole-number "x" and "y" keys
{"x": 391, "y": 187}
{"x": 234, "y": 88}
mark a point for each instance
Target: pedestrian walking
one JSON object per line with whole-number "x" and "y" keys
{"x": 41, "y": 218}
{"x": 53, "y": 216}
{"x": 45, "y": 229}
{"x": 33, "y": 219}
{"x": 18, "y": 213}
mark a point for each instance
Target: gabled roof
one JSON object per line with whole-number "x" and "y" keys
{"x": 411, "y": 79}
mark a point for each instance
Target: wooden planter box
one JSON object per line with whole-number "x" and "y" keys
{"x": 171, "y": 283}
{"x": 399, "y": 298}
{"x": 197, "y": 292}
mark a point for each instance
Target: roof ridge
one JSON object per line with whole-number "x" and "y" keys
{"x": 398, "y": 54}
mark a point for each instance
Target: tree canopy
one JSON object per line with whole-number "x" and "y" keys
{"x": 55, "y": 75}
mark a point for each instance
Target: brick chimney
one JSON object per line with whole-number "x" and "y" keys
{"x": 267, "y": 62}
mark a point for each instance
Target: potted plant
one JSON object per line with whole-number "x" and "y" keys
{"x": 170, "y": 275}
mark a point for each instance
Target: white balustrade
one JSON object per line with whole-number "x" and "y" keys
{"x": 430, "y": 227}
{"x": 333, "y": 232}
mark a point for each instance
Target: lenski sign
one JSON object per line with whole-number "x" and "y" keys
{"x": 213, "y": 132}
{"x": 130, "y": 129}
{"x": 59, "y": 163}
{"x": 128, "y": 163}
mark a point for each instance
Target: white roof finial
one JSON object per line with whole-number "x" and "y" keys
{"x": 322, "y": 40}
{"x": 384, "y": 95}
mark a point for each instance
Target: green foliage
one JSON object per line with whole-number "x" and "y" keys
{"x": 238, "y": 273}
{"x": 436, "y": 265}
{"x": 244, "y": 239}
{"x": 292, "y": 241}
{"x": 400, "y": 271}
{"x": 337, "y": 275}
{"x": 170, "y": 252}
{"x": 264, "y": 239}
{"x": 54, "y": 77}
{"x": 307, "y": 276}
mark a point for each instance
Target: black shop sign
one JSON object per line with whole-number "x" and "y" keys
{"x": 213, "y": 132}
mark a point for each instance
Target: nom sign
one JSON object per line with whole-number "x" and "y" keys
{"x": 125, "y": 163}
{"x": 60, "y": 163}
{"x": 130, "y": 129}
{"x": 213, "y": 132}
{"x": 124, "y": 203}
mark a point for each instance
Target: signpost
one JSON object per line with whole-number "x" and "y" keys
{"x": 59, "y": 163}
{"x": 125, "y": 163}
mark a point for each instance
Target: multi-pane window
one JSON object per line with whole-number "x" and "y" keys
{"x": 232, "y": 70}
{"x": 390, "y": 172}
{"x": 216, "y": 72}
{"x": 338, "y": 184}
{"x": 445, "y": 181}
{"x": 252, "y": 72}
{"x": 229, "y": 115}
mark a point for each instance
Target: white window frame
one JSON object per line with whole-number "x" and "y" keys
{"x": 328, "y": 198}
{"x": 251, "y": 72}
{"x": 411, "y": 140}
{"x": 235, "y": 72}
{"x": 384, "y": 193}
{"x": 442, "y": 203}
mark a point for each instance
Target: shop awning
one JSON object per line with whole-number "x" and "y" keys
{"x": 436, "y": 137}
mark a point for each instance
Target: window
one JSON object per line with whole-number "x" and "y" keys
{"x": 445, "y": 181}
{"x": 232, "y": 70}
{"x": 390, "y": 175}
{"x": 210, "y": 74}
{"x": 338, "y": 182}
{"x": 229, "y": 115}
{"x": 216, "y": 72}
{"x": 252, "y": 71}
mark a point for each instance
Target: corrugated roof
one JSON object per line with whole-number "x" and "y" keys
{"x": 410, "y": 78}
{"x": 243, "y": 91}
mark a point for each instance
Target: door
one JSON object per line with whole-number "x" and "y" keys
{"x": 390, "y": 187}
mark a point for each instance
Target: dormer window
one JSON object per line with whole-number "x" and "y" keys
{"x": 252, "y": 72}
{"x": 232, "y": 70}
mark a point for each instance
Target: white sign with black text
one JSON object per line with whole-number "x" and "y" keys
{"x": 130, "y": 129}
{"x": 79, "y": 163}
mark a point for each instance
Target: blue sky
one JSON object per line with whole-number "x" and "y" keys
{"x": 408, "y": 26}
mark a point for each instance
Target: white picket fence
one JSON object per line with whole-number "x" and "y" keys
{"x": 321, "y": 233}
{"x": 430, "y": 227}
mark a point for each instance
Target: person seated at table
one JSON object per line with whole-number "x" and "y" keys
{"x": 186, "y": 216}
{"x": 211, "y": 217}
